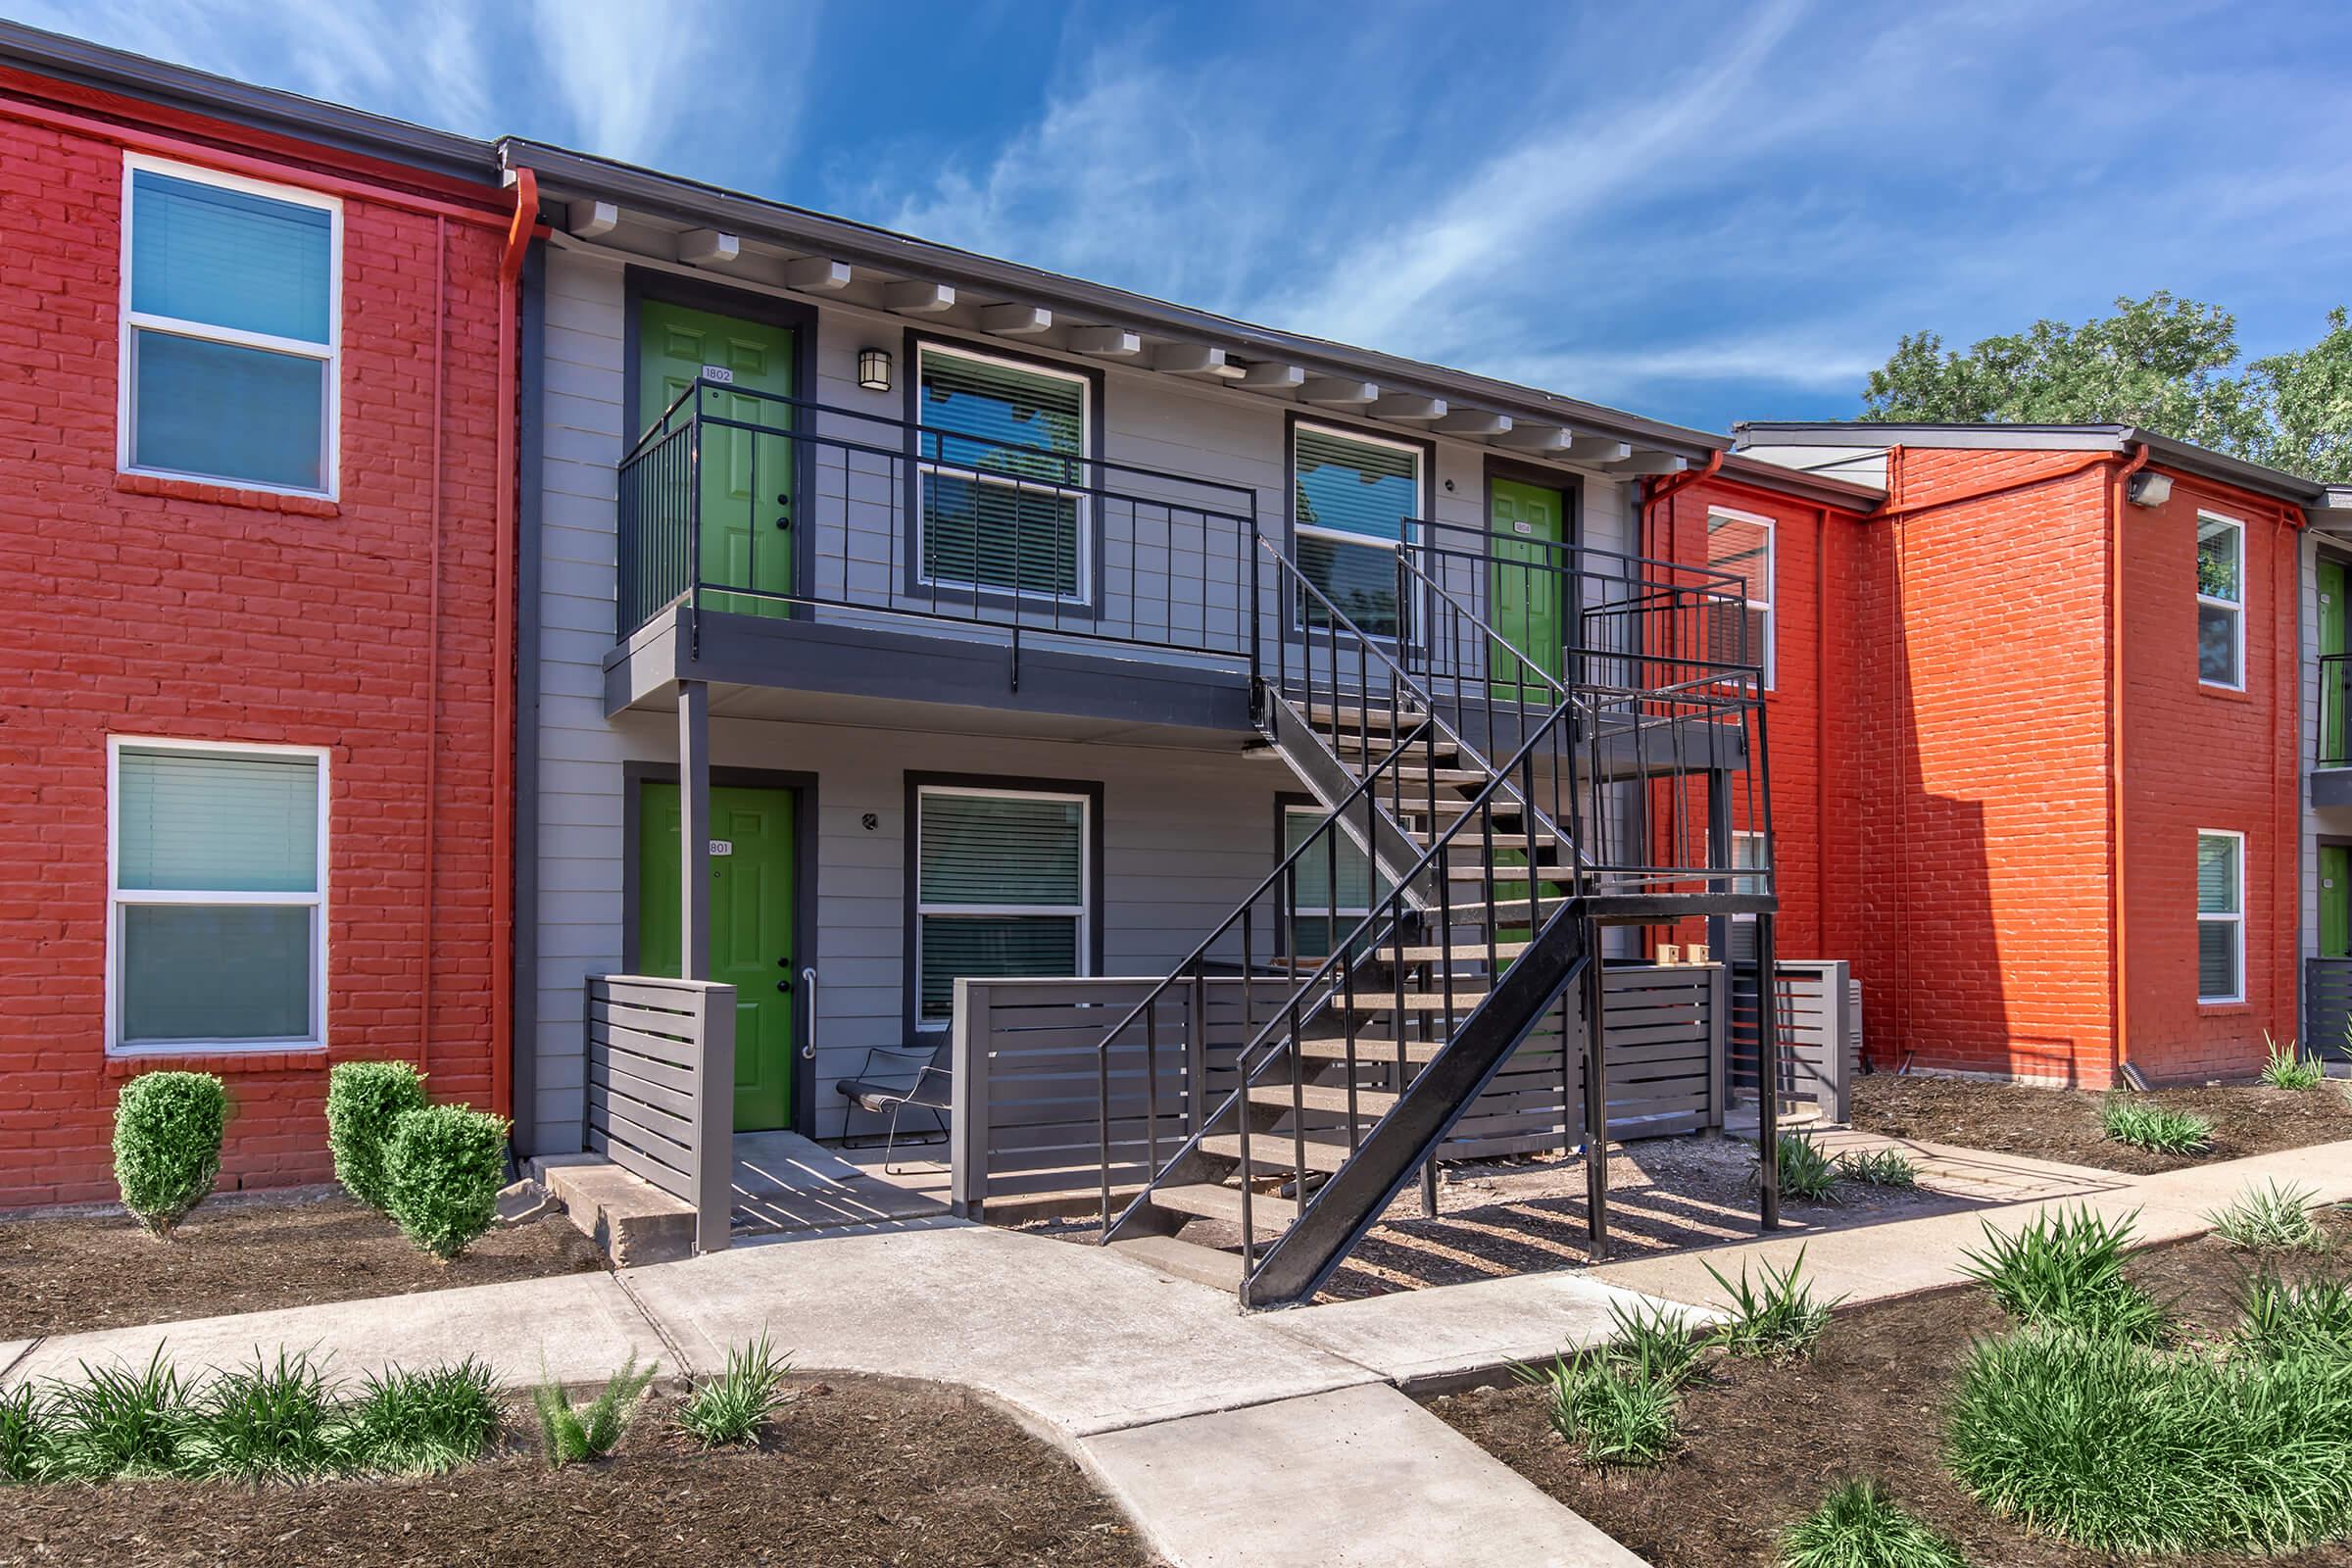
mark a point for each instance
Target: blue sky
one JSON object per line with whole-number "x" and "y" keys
{"x": 1700, "y": 212}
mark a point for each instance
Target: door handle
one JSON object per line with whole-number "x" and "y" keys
{"x": 808, "y": 1034}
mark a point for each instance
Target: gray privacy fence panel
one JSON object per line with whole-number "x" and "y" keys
{"x": 2328, "y": 1006}
{"x": 1029, "y": 1073}
{"x": 662, "y": 1089}
{"x": 1821, "y": 1033}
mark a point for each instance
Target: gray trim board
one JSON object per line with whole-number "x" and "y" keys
{"x": 1293, "y": 614}
{"x": 530, "y": 450}
{"x": 910, "y": 854}
{"x": 804, "y": 787}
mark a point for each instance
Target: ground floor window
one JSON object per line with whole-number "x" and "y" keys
{"x": 1747, "y": 855}
{"x": 1001, "y": 888}
{"x": 2220, "y": 915}
{"x": 217, "y": 933}
{"x": 1331, "y": 882}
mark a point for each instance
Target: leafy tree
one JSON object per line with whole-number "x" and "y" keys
{"x": 2163, "y": 364}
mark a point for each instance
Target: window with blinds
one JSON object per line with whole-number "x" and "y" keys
{"x": 1353, "y": 501}
{"x": 1743, "y": 545}
{"x": 1003, "y": 509}
{"x": 230, "y": 327}
{"x": 1748, "y": 853}
{"x": 2221, "y": 601}
{"x": 218, "y": 896}
{"x": 1332, "y": 883}
{"x": 2221, "y": 916}
{"x": 1001, "y": 888}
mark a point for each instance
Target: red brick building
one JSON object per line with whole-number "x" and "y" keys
{"x": 255, "y": 711}
{"x": 2053, "y": 664}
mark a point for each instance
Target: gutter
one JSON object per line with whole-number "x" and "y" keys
{"x": 520, "y": 231}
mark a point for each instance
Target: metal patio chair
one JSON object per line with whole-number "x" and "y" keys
{"x": 920, "y": 1080}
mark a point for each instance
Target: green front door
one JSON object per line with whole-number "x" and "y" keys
{"x": 2336, "y": 901}
{"x": 1527, "y": 520}
{"x": 750, "y": 929}
{"x": 747, "y": 495}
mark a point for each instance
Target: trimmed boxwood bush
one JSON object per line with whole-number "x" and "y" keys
{"x": 364, "y": 1098}
{"x": 443, "y": 1167}
{"x": 168, "y": 1128}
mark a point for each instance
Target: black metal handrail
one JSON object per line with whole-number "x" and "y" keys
{"x": 2331, "y": 745}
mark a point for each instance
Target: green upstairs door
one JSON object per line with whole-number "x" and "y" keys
{"x": 2334, "y": 691}
{"x": 750, "y": 929}
{"x": 2336, "y": 901}
{"x": 746, "y": 474}
{"x": 1527, "y": 521}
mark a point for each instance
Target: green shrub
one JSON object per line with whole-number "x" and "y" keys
{"x": 168, "y": 1128}
{"x": 264, "y": 1422}
{"x": 570, "y": 1435}
{"x": 2116, "y": 1448}
{"x": 1806, "y": 1173}
{"x": 1879, "y": 1167}
{"x": 115, "y": 1421}
{"x": 2285, "y": 1067}
{"x": 1857, "y": 1525}
{"x": 27, "y": 1434}
{"x": 730, "y": 1407}
{"x": 1780, "y": 1321}
{"x": 364, "y": 1098}
{"x": 1654, "y": 1345}
{"x": 2153, "y": 1128}
{"x": 2310, "y": 1318}
{"x": 443, "y": 1167}
{"x": 2066, "y": 1269}
{"x": 422, "y": 1423}
{"x": 2269, "y": 1219}
{"x": 1619, "y": 1416}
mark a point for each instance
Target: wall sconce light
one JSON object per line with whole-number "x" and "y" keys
{"x": 873, "y": 370}
{"x": 2150, "y": 489}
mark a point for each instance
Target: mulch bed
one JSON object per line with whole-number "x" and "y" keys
{"x": 62, "y": 1274}
{"x": 1762, "y": 1445}
{"x": 2062, "y": 1125}
{"x": 852, "y": 1472}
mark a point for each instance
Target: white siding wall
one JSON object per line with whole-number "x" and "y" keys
{"x": 1187, "y": 832}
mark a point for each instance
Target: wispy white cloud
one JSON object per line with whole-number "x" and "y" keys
{"x": 668, "y": 86}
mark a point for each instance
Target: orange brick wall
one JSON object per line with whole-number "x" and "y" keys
{"x": 172, "y": 610}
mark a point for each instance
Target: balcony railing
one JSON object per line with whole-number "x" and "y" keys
{"x": 2333, "y": 747}
{"x": 755, "y": 503}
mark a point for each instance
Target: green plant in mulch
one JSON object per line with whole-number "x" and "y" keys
{"x": 27, "y": 1435}
{"x": 2308, "y": 1317}
{"x": 2064, "y": 1269}
{"x": 364, "y": 1100}
{"x": 264, "y": 1422}
{"x": 113, "y": 1421}
{"x": 168, "y": 1128}
{"x": 1879, "y": 1167}
{"x": 443, "y": 1167}
{"x": 572, "y": 1435}
{"x": 1858, "y": 1525}
{"x": 2125, "y": 1448}
{"x": 1806, "y": 1173}
{"x": 1654, "y": 1345}
{"x": 1778, "y": 1320}
{"x": 730, "y": 1408}
{"x": 2154, "y": 1128}
{"x": 1617, "y": 1414}
{"x": 2270, "y": 1218}
{"x": 423, "y": 1423}
{"x": 2285, "y": 1067}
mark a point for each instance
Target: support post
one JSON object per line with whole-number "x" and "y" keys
{"x": 1719, "y": 854}
{"x": 1596, "y": 1097}
{"x": 694, "y": 829}
{"x": 1768, "y": 1078}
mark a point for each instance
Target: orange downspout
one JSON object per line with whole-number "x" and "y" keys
{"x": 502, "y": 777}
{"x": 1821, "y": 735}
{"x": 2285, "y": 662}
{"x": 2118, "y": 949}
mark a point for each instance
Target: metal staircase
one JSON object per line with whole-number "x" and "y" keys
{"x": 1437, "y": 913}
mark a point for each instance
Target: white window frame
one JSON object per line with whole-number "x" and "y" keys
{"x": 2237, "y": 920}
{"x": 1310, "y": 530}
{"x": 331, "y": 353}
{"x": 1322, "y": 911}
{"x": 1084, "y": 598}
{"x": 119, "y": 898}
{"x": 2235, "y": 606}
{"x": 1081, "y": 912}
{"x": 1767, "y": 657}
{"x": 1757, "y": 869}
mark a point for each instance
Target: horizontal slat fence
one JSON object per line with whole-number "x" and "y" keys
{"x": 1821, "y": 1033}
{"x": 2328, "y": 1006}
{"x": 1027, "y": 1091}
{"x": 662, "y": 1089}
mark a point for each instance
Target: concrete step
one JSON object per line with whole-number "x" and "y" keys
{"x": 1203, "y": 1266}
{"x": 1371, "y": 1001}
{"x": 1209, "y": 1200}
{"x": 1277, "y": 1151}
{"x": 1369, "y": 1051}
{"x": 1332, "y": 1097}
{"x": 634, "y": 1221}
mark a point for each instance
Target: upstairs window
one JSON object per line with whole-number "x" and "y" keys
{"x": 1741, "y": 544}
{"x": 231, "y": 313}
{"x": 1354, "y": 499}
{"x": 1003, "y": 511}
{"x": 2221, "y": 916}
{"x": 217, "y": 935}
{"x": 1001, "y": 889}
{"x": 2221, "y": 601}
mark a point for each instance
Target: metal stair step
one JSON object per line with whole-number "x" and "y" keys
{"x": 1209, "y": 1200}
{"x": 1277, "y": 1151}
{"x": 1370, "y": 1050}
{"x": 1374, "y": 715}
{"x": 1473, "y": 951}
{"x": 1373, "y": 1001}
{"x": 1187, "y": 1260}
{"x": 1322, "y": 1096}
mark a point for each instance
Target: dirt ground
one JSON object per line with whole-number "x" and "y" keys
{"x": 2062, "y": 1125}
{"x": 64, "y": 1274}
{"x": 1527, "y": 1215}
{"x": 1762, "y": 1445}
{"x": 852, "y": 1472}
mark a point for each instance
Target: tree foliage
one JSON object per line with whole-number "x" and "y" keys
{"x": 2162, "y": 364}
